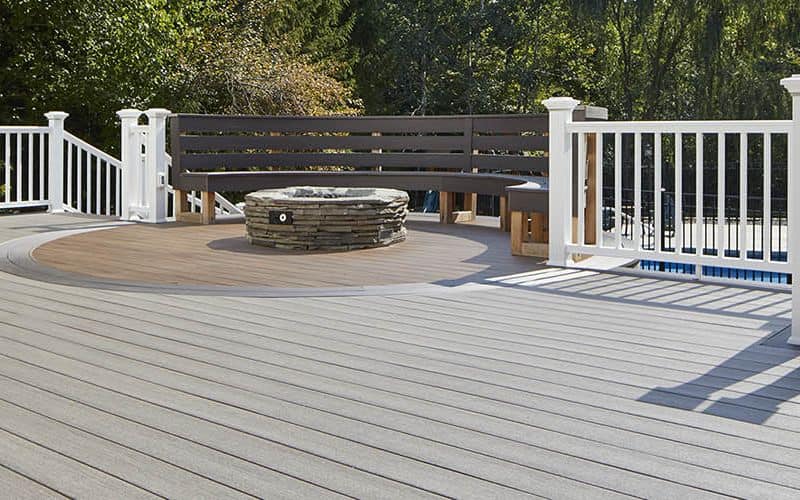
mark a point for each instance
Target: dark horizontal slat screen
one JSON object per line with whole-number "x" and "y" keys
{"x": 485, "y": 143}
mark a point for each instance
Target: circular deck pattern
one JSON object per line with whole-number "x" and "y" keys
{"x": 326, "y": 218}
{"x": 219, "y": 255}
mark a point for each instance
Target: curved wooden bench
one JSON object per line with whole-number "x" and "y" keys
{"x": 479, "y": 183}
{"x": 474, "y": 154}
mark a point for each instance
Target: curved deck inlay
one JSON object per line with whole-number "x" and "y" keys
{"x": 219, "y": 256}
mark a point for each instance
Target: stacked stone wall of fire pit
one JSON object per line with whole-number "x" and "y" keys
{"x": 325, "y": 218}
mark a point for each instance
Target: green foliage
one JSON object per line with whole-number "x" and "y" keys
{"x": 94, "y": 58}
{"x": 257, "y": 58}
{"x": 643, "y": 59}
{"x": 640, "y": 58}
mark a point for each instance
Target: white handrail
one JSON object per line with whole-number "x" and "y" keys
{"x": 92, "y": 149}
{"x": 23, "y": 129}
{"x": 686, "y": 127}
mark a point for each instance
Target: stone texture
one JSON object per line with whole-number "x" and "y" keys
{"x": 327, "y": 218}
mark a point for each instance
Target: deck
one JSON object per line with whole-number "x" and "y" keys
{"x": 531, "y": 382}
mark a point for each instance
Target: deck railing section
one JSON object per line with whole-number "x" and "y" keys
{"x": 703, "y": 168}
{"x": 707, "y": 193}
{"x": 23, "y": 152}
{"x": 48, "y": 166}
{"x": 93, "y": 179}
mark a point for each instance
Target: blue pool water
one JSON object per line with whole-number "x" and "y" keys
{"x": 724, "y": 272}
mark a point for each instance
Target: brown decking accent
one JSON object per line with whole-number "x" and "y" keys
{"x": 220, "y": 255}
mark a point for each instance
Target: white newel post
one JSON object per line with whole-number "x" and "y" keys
{"x": 156, "y": 165}
{"x": 131, "y": 165}
{"x": 560, "y": 178}
{"x": 792, "y": 84}
{"x": 55, "y": 162}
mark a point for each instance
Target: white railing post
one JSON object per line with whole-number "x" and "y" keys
{"x": 792, "y": 84}
{"x": 55, "y": 162}
{"x": 129, "y": 157}
{"x": 156, "y": 165}
{"x": 560, "y": 178}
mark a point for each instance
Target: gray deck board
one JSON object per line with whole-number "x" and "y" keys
{"x": 17, "y": 486}
{"x": 204, "y": 461}
{"x": 556, "y": 384}
{"x": 61, "y": 473}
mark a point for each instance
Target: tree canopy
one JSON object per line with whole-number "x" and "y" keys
{"x": 642, "y": 59}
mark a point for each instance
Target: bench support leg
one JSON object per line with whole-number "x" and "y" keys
{"x": 505, "y": 215}
{"x": 181, "y": 201}
{"x": 208, "y": 207}
{"x": 471, "y": 204}
{"x": 528, "y": 234}
{"x": 446, "y": 205}
{"x": 518, "y": 232}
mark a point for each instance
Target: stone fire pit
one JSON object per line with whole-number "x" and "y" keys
{"x": 316, "y": 218}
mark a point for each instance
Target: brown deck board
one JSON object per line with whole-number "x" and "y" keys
{"x": 219, "y": 254}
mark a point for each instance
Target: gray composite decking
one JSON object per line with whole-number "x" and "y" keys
{"x": 554, "y": 383}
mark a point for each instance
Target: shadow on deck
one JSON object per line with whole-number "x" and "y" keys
{"x": 770, "y": 311}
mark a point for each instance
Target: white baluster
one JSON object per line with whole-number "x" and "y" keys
{"x": 699, "y": 229}
{"x": 721, "y": 195}
{"x": 637, "y": 191}
{"x": 677, "y": 217}
{"x": 743, "y": 196}
{"x": 7, "y": 168}
{"x": 618, "y": 189}
{"x": 30, "y": 166}
{"x": 19, "y": 168}
{"x": 766, "y": 245}
{"x": 581, "y": 187}
{"x": 657, "y": 199}
{"x": 41, "y": 167}
{"x": 599, "y": 187}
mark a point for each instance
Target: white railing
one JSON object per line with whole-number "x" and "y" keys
{"x": 93, "y": 179}
{"x": 23, "y": 168}
{"x": 661, "y": 159}
{"x": 47, "y": 166}
{"x": 50, "y": 167}
{"x": 704, "y": 247}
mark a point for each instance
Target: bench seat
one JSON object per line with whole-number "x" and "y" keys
{"x": 525, "y": 193}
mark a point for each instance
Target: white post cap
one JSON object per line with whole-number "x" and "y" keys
{"x": 792, "y": 84}
{"x": 561, "y": 103}
{"x": 157, "y": 112}
{"x": 129, "y": 113}
{"x": 56, "y": 115}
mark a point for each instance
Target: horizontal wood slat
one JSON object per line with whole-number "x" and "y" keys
{"x": 510, "y": 162}
{"x": 311, "y": 142}
{"x": 510, "y": 142}
{"x": 362, "y": 124}
{"x": 510, "y": 123}
{"x": 247, "y": 160}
